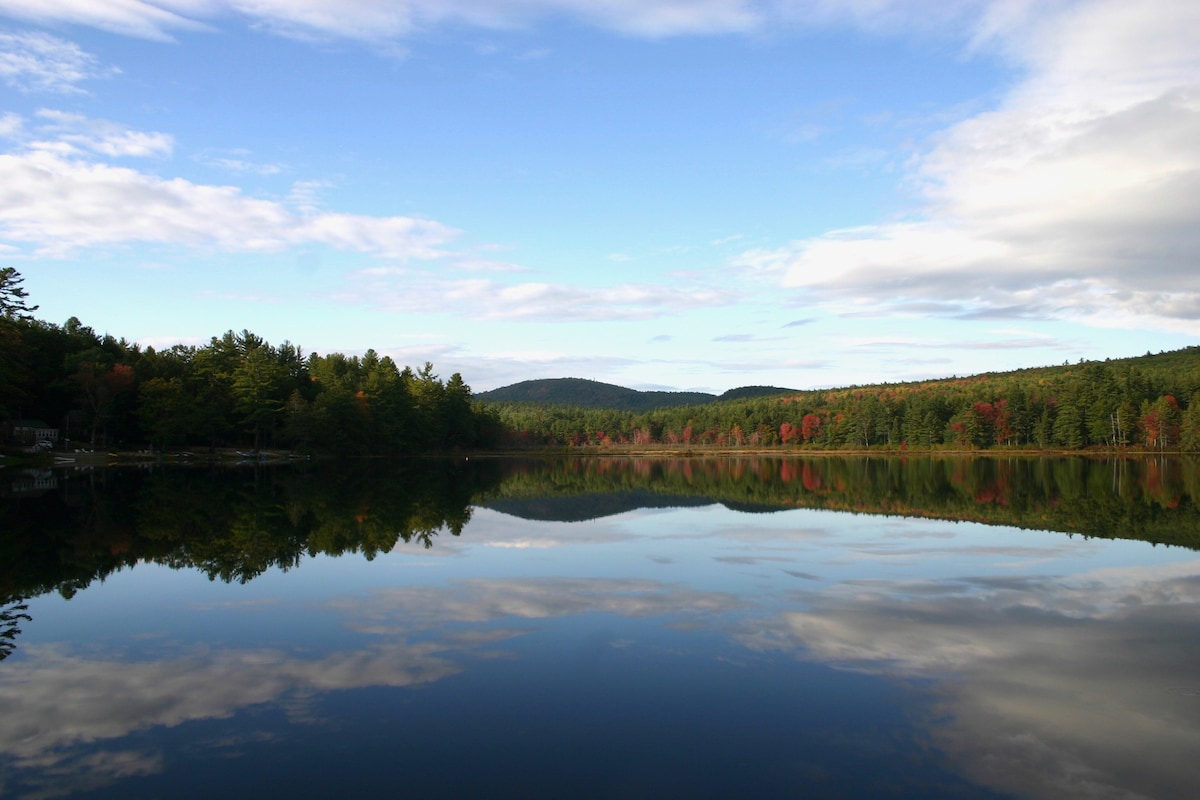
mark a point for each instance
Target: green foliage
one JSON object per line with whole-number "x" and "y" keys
{"x": 238, "y": 391}
{"x": 13, "y": 296}
{"x": 1112, "y": 404}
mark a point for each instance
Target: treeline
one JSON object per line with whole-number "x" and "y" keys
{"x": 237, "y": 391}
{"x": 1151, "y": 402}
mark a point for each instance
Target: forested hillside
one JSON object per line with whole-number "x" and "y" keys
{"x": 237, "y": 391}
{"x": 1148, "y": 401}
{"x": 590, "y": 394}
{"x": 594, "y": 394}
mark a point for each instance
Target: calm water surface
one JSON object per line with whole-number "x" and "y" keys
{"x": 603, "y": 628}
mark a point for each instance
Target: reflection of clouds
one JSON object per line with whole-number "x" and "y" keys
{"x": 490, "y": 528}
{"x": 919, "y": 534}
{"x": 236, "y": 605}
{"x": 1059, "y": 688}
{"x": 499, "y": 529}
{"x": 969, "y": 551}
{"x": 804, "y": 576}
{"x": 65, "y": 774}
{"x": 57, "y": 702}
{"x": 528, "y": 544}
{"x": 480, "y": 600}
{"x": 749, "y": 561}
{"x": 777, "y": 536}
{"x": 54, "y": 700}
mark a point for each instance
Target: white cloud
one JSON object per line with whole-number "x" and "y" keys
{"x": 238, "y": 162}
{"x": 395, "y": 237}
{"x": 57, "y": 198}
{"x": 11, "y": 126}
{"x": 667, "y": 17}
{"x": 139, "y": 18}
{"x": 75, "y": 134}
{"x": 373, "y": 21}
{"x": 306, "y": 195}
{"x": 38, "y": 62}
{"x": 1078, "y": 197}
{"x": 369, "y": 20}
{"x": 532, "y": 301}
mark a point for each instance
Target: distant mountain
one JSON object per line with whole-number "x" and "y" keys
{"x": 583, "y": 393}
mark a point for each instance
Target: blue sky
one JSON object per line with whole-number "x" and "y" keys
{"x": 659, "y": 194}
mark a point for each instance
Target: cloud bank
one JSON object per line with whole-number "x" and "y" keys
{"x": 1077, "y": 197}
{"x": 59, "y": 194}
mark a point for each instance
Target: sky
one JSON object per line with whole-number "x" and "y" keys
{"x": 654, "y": 193}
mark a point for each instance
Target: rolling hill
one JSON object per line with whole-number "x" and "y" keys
{"x": 583, "y": 393}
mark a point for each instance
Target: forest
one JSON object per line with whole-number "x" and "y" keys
{"x": 1150, "y": 402}
{"x": 237, "y": 391}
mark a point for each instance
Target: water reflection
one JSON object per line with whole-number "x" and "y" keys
{"x": 61, "y": 703}
{"x": 679, "y": 646}
{"x": 1149, "y": 498}
{"x": 10, "y": 618}
{"x": 1065, "y": 686}
{"x": 236, "y": 524}
{"x": 231, "y": 524}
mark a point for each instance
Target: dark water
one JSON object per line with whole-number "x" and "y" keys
{"x": 604, "y": 628}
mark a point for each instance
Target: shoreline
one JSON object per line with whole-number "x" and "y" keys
{"x": 704, "y": 451}
{"x": 226, "y": 456}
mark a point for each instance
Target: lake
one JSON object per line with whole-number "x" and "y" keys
{"x": 604, "y": 627}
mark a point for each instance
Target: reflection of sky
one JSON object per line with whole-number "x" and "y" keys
{"x": 1029, "y": 662}
{"x": 1080, "y": 686}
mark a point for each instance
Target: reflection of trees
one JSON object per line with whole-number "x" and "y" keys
{"x": 232, "y": 524}
{"x": 236, "y": 524}
{"x": 1152, "y": 499}
{"x": 10, "y": 618}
